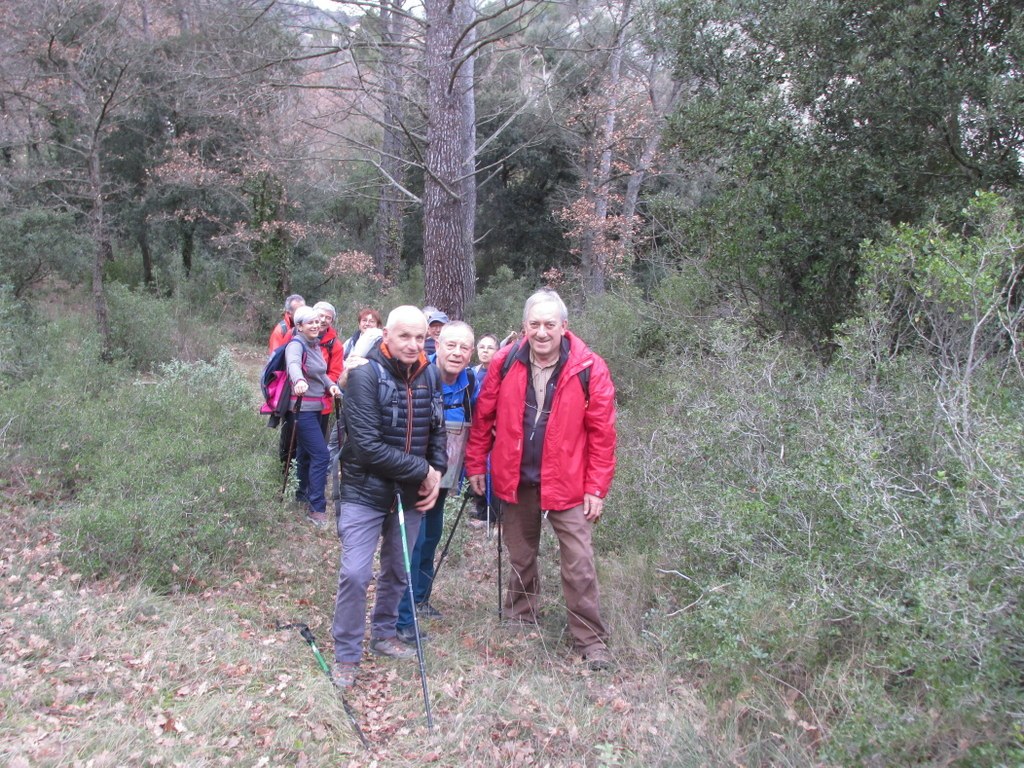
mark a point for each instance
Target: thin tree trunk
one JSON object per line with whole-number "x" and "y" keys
{"x": 142, "y": 236}
{"x": 593, "y": 251}
{"x": 468, "y": 80}
{"x": 102, "y": 250}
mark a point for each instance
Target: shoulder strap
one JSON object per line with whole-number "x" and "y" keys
{"x": 468, "y": 396}
{"x": 284, "y": 327}
{"x": 387, "y": 392}
{"x": 584, "y": 375}
{"x": 510, "y": 358}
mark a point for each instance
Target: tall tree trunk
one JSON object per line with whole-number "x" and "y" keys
{"x": 188, "y": 248}
{"x": 652, "y": 142}
{"x": 469, "y": 168}
{"x": 389, "y": 225}
{"x": 447, "y": 250}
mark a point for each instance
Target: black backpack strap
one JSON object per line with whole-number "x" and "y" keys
{"x": 584, "y": 375}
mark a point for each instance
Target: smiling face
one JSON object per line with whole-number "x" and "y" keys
{"x": 454, "y": 350}
{"x": 326, "y": 318}
{"x": 544, "y": 331}
{"x": 310, "y": 329}
{"x": 404, "y": 334}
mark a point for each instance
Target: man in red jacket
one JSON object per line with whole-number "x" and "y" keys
{"x": 551, "y": 433}
{"x": 282, "y": 330}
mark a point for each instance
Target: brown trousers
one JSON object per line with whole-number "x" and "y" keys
{"x": 521, "y": 532}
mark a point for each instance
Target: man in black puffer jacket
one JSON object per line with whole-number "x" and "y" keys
{"x": 396, "y": 442}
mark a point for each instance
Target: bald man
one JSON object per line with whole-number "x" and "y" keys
{"x": 396, "y": 444}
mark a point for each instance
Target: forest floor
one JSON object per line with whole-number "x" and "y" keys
{"x": 108, "y": 673}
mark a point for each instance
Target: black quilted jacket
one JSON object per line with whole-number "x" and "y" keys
{"x": 389, "y": 444}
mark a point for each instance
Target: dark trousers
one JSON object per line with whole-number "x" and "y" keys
{"x": 422, "y": 559}
{"x": 312, "y": 460}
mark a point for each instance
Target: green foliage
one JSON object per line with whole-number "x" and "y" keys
{"x": 824, "y": 124}
{"x": 167, "y": 481}
{"x": 841, "y": 533}
{"x": 38, "y": 244}
{"x": 18, "y": 354}
{"x": 498, "y": 308}
{"x": 147, "y": 331}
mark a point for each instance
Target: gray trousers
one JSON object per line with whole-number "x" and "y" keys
{"x": 360, "y": 528}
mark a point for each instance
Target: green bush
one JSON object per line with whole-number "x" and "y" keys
{"x": 165, "y": 482}
{"x": 177, "y": 479}
{"x": 830, "y": 535}
{"x": 19, "y": 350}
{"x": 147, "y": 331}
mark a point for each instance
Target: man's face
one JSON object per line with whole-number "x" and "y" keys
{"x": 485, "y": 350}
{"x": 435, "y": 329}
{"x": 326, "y": 318}
{"x": 454, "y": 352}
{"x": 405, "y": 340}
{"x": 295, "y": 305}
{"x": 544, "y": 329}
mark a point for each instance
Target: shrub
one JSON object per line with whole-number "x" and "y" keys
{"x": 147, "y": 331}
{"x": 176, "y": 480}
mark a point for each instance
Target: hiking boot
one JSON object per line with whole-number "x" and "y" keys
{"x": 390, "y": 647}
{"x": 318, "y": 519}
{"x": 598, "y": 660}
{"x": 407, "y": 635}
{"x": 344, "y": 674}
{"x": 427, "y": 611}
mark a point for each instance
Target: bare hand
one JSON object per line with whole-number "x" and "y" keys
{"x": 335, "y": 392}
{"x": 592, "y": 507}
{"x": 478, "y": 484}
{"x": 300, "y": 388}
{"x": 429, "y": 490}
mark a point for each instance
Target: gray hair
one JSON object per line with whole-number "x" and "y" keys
{"x": 293, "y": 299}
{"x": 327, "y": 306}
{"x": 304, "y": 314}
{"x": 456, "y": 326}
{"x": 543, "y": 296}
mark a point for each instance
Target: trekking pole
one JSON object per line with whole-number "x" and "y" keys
{"x": 412, "y": 604}
{"x": 291, "y": 444}
{"x": 444, "y": 549}
{"x": 499, "y": 525}
{"x": 307, "y": 635}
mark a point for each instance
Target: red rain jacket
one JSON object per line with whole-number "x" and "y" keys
{"x": 579, "y": 444}
{"x": 333, "y": 350}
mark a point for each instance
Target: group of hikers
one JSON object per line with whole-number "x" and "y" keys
{"x": 531, "y": 428}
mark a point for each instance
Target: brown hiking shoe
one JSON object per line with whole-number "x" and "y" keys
{"x": 598, "y": 660}
{"x": 390, "y": 647}
{"x": 344, "y": 674}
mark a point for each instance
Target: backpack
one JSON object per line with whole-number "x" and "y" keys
{"x": 584, "y": 375}
{"x": 276, "y": 386}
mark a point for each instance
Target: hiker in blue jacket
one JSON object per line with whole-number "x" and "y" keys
{"x": 454, "y": 352}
